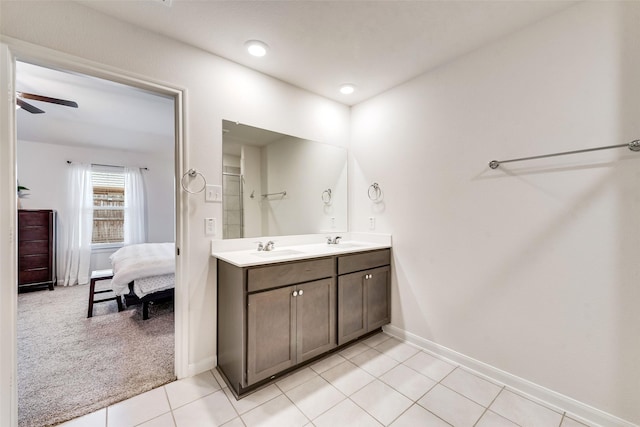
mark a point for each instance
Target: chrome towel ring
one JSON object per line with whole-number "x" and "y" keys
{"x": 192, "y": 173}
{"x": 375, "y": 193}
{"x": 326, "y": 196}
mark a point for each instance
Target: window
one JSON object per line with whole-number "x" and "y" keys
{"x": 108, "y": 207}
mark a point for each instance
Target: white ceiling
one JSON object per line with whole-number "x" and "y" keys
{"x": 316, "y": 45}
{"x": 109, "y": 114}
{"x": 319, "y": 45}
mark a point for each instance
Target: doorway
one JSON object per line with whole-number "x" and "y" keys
{"x": 62, "y": 144}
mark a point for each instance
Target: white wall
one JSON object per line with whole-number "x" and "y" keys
{"x": 215, "y": 88}
{"x": 533, "y": 267}
{"x": 48, "y": 190}
{"x": 304, "y": 169}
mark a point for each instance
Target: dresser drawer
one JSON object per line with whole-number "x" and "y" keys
{"x": 37, "y": 275}
{"x": 363, "y": 261}
{"x": 33, "y": 233}
{"x": 27, "y": 262}
{"x": 29, "y": 218}
{"x": 277, "y": 275}
{"x": 33, "y": 247}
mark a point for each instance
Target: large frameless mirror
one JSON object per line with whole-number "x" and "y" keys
{"x": 277, "y": 185}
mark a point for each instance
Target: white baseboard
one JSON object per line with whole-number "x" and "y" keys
{"x": 201, "y": 366}
{"x": 550, "y": 398}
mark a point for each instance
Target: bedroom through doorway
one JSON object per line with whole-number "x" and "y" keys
{"x": 96, "y": 183}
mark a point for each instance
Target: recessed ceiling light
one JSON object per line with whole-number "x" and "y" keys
{"x": 256, "y": 48}
{"x": 347, "y": 89}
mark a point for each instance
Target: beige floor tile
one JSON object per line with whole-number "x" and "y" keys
{"x": 347, "y": 377}
{"x": 165, "y": 420}
{"x": 94, "y": 419}
{"x": 408, "y": 382}
{"x": 236, "y": 422}
{"x": 523, "y": 411}
{"x": 277, "y": 412}
{"x": 376, "y": 339}
{"x": 296, "y": 379}
{"x": 396, "y": 349}
{"x": 567, "y": 421}
{"x": 189, "y": 389}
{"x": 491, "y": 419}
{"x": 210, "y": 411}
{"x": 327, "y": 363}
{"x": 374, "y": 362}
{"x": 138, "y": 409}
{"x": 346, "y": 413}
{"x": 469, "y": 385}
{"x": 429, "y": 365}
{"x": 451, "y": 406}
{"x": 315, "y": 397}
{"x": 254, "y": 399}
{"x": 381, "y": 401}
{"x": 354, "y": 350}
{"x": 418, "y": 416}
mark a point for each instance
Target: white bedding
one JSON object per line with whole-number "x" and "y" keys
{"x": 146, "y": 260}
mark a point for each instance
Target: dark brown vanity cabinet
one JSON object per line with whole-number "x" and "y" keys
{"x": 289, "y": 325}
{"x": 273, "y": 317}
{"x": 364, "y": 293}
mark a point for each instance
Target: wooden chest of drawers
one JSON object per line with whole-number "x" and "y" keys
{"x": 36, "y": 248}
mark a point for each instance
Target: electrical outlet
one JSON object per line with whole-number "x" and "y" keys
{"x": 372, "y": 223}
{"x": 210, "y": 226}
{"x": 213, "y": 193}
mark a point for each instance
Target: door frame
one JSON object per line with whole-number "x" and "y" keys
{"x": 12, "y": 50}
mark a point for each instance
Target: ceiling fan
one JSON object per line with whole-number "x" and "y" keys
{"x": 21, "y": 96}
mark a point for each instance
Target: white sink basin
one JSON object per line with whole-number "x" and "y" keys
{"x": 277, "y": 253}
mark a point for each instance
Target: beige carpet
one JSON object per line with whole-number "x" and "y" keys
{"x": 69, "y": 365}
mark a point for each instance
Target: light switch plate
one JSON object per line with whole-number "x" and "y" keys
{"x": 210, "y": 226}
{"x": 372, "y": 223}
{"x": 213, "y": 193}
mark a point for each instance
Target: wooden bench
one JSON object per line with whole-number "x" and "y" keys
{"x": 101, "y": 275}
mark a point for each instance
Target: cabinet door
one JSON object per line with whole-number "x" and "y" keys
{"x": 378, "y": 286}
{"x": 315, "y": 318}
{"x": 270, "y": 333}
{"x": 352, "y": 308}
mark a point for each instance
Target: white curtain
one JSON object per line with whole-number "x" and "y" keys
{"x": 76, "y": 242}
{"x": 134, "y": 208}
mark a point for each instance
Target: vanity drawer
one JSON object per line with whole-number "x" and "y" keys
{"x": 363, "y": 261}
{"x": 273, "y": 276}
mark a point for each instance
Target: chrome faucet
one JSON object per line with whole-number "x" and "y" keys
{"x": 333, "y": 241}
{"x": 269, "y": 245}
{"x": 260, "y": 247}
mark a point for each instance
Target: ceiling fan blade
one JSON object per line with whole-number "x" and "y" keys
{"x": 28, "y": 107}
{"x": 47, "y": 99}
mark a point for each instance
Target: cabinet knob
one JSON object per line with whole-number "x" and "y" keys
{"x": 300, "y": 292}
{"x": 295, "y": 293}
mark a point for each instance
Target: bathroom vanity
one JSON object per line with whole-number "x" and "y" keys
{"x": 280, "y": 310}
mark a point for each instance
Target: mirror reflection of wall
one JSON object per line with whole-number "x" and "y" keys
{"x": 232, "y": 198}
{"x": 276, "y": 184}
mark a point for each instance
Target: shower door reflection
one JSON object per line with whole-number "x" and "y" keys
{"x": 232, "y": 227}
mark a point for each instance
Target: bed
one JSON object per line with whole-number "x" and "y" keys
{"x": 144, "y": 273}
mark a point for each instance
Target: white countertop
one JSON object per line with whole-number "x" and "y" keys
{"x": 298, "y": 251}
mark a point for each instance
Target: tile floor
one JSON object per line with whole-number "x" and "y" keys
{"x": 380, "y": 381}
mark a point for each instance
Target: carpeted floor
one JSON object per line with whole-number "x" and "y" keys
{"x": 69, "y": 365}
